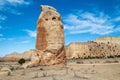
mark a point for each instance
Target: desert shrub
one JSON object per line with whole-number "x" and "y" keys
{"x": 79, "y": 62}
{"x": 21, "y": 61}
{"x": 118, "y": 55}
{"x": 115, "y": 61}
{"x": 41, "y": 69}
{"x": 110, "y": 56}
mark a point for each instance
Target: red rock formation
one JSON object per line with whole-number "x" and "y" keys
{"x": 5, "y": 59}
{"x": 50, "y": 37}
{"x": 50, "y": 49}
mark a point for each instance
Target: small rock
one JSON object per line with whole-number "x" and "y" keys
{"x": 5, "y": 71}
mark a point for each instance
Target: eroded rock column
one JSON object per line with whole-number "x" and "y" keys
{"x": 50, "y": 37}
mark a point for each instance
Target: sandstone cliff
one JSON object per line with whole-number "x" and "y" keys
{"x": 92, "y": 49}
{"x": 108, "y": 39}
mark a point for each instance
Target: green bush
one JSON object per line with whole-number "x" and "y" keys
{"x": 21, "y": 61}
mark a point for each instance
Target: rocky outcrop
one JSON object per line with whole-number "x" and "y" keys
{"x": 108, "y": 40}
{"x": 50, "y": 49}
{"x": 26, "y": 55}
{"x": 16, "y": 56}
{"x": 50, "y": 33}
{"x": 5, "y": 71}
{"x": 92, "y": 49}
{"x": 50, "y": 37}
{"x": 5, "y": 59}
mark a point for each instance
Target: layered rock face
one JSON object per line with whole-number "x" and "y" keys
{"x": 92, "y": 49}
{"x": 108, "y": 39}
{"x": 50, "y": 34}
{"x": 50, "y": 39}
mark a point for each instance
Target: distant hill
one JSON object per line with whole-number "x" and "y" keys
{"x": 15, "y": 56}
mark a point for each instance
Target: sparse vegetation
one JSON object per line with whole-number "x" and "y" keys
{"x": 44, "y": 74}
{"x": 108, "y": 61}
{"x": 41, "y": 69}
{"x": 21, "y": 61}
{"x": 79, "y": 62}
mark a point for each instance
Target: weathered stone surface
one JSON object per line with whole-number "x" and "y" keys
{"x": 92, "y": 49}
{"x": 108, "y": 39}
{"x": 50, "y": 39}
{"x": 5, "y": 71}
{"x": 11, "y": 59}
{"x": 50, "y": 33}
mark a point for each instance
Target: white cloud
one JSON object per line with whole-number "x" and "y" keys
{"x": 13, "y": 2}
{"x": 24, "y": 42}
{"x": 2, "y": 18}
{"x": 18, "y": 2}
{"x": 10, "y": 39}
{"x": 30, "y": 33}
{"x": 11, "y": 10}
{"x": 87, "y": 22}
{"x": 2, "y": 2}
{"x": 6, "y": 39}
{"x": 11, "y": 5}
{"x": 118, "y": 29}
{"x": 117, "y": 19}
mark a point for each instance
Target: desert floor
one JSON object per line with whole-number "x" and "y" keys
{"x": 88, "y": 69}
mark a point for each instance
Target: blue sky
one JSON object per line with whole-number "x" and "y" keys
{"x": 83, "y": 20}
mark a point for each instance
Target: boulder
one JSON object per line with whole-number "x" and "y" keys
{"x": 5, "y": 71}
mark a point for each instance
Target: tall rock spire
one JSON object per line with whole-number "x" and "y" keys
{"x": 50, "y": 36}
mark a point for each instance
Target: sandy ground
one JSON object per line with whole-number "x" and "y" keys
{"x": 73, "y": 71}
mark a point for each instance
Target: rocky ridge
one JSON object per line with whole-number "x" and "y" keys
{"x": 101, "y": 47}
{"x": 108, "y": 39}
